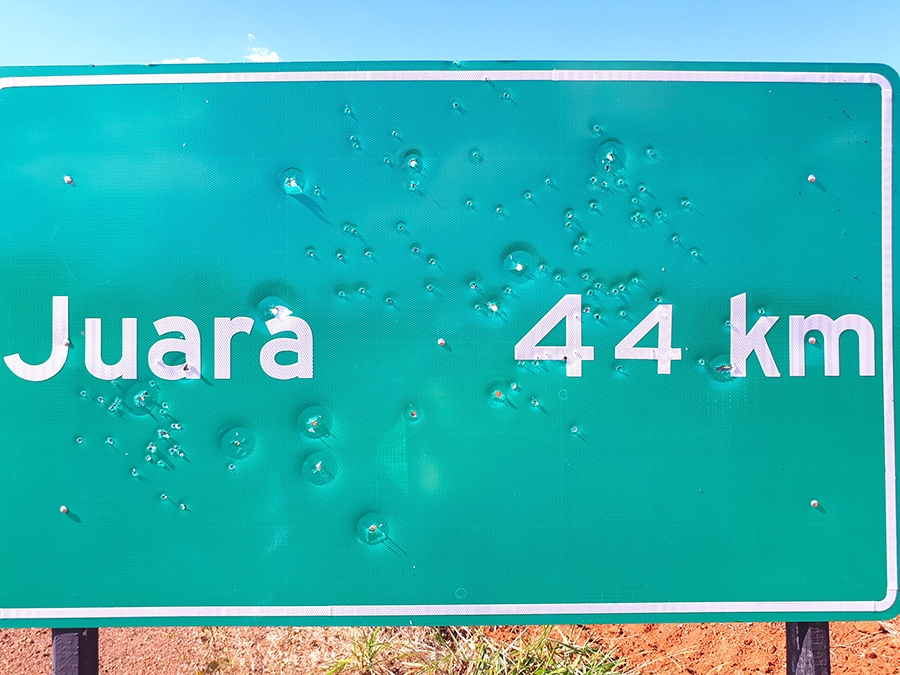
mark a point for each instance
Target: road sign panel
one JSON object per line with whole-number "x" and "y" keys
{"x": 431, "y": 343}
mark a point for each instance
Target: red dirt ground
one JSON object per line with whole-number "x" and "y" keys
{"x": 870, "y": 647}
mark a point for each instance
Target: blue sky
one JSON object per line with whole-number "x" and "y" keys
{"x": 53, "y": 32}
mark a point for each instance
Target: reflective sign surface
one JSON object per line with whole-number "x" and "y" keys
{"x": 433, "y": 343}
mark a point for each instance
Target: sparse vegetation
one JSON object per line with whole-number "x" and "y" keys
{"x": 456, "y": 650}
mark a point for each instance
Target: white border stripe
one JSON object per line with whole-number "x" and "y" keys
{"x": 367, "y": 611}
{"x": 887, "y": 323}
{"x": 609, "y": 609}
{"x": 450, "y": 76}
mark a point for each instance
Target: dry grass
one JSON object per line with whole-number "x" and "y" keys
{"x": 395, "y": 651}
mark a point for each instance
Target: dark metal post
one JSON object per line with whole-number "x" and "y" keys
{"x": 76, "y": 651}
{"x": 808, "y": 648}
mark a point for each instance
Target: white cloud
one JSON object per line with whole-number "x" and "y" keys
{"x": 251, "y": 37}
{"x": 262, "y": 55}
{"x": 190, "y": 59}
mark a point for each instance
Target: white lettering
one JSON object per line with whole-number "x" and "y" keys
{"x": 568, "y": 309}
{"x": 189, "y": 346}
{"x": 302, "y": 346}
{"x": 225, "y": 329}
{"x": 664, "y": 353}
{"x": 743, "y": 343}
{"x": 59, "y": 351}
{"x": 93, "y": 360}
{"x": 831, "y": 330}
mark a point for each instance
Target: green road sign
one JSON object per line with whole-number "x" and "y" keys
{"x": 431, "y": 343}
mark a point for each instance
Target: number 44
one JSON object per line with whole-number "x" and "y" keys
{"x": 568, "y": 309}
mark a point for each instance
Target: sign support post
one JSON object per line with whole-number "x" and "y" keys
{"x": 808, "y": 648}
{"x": 76, "y": 651}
